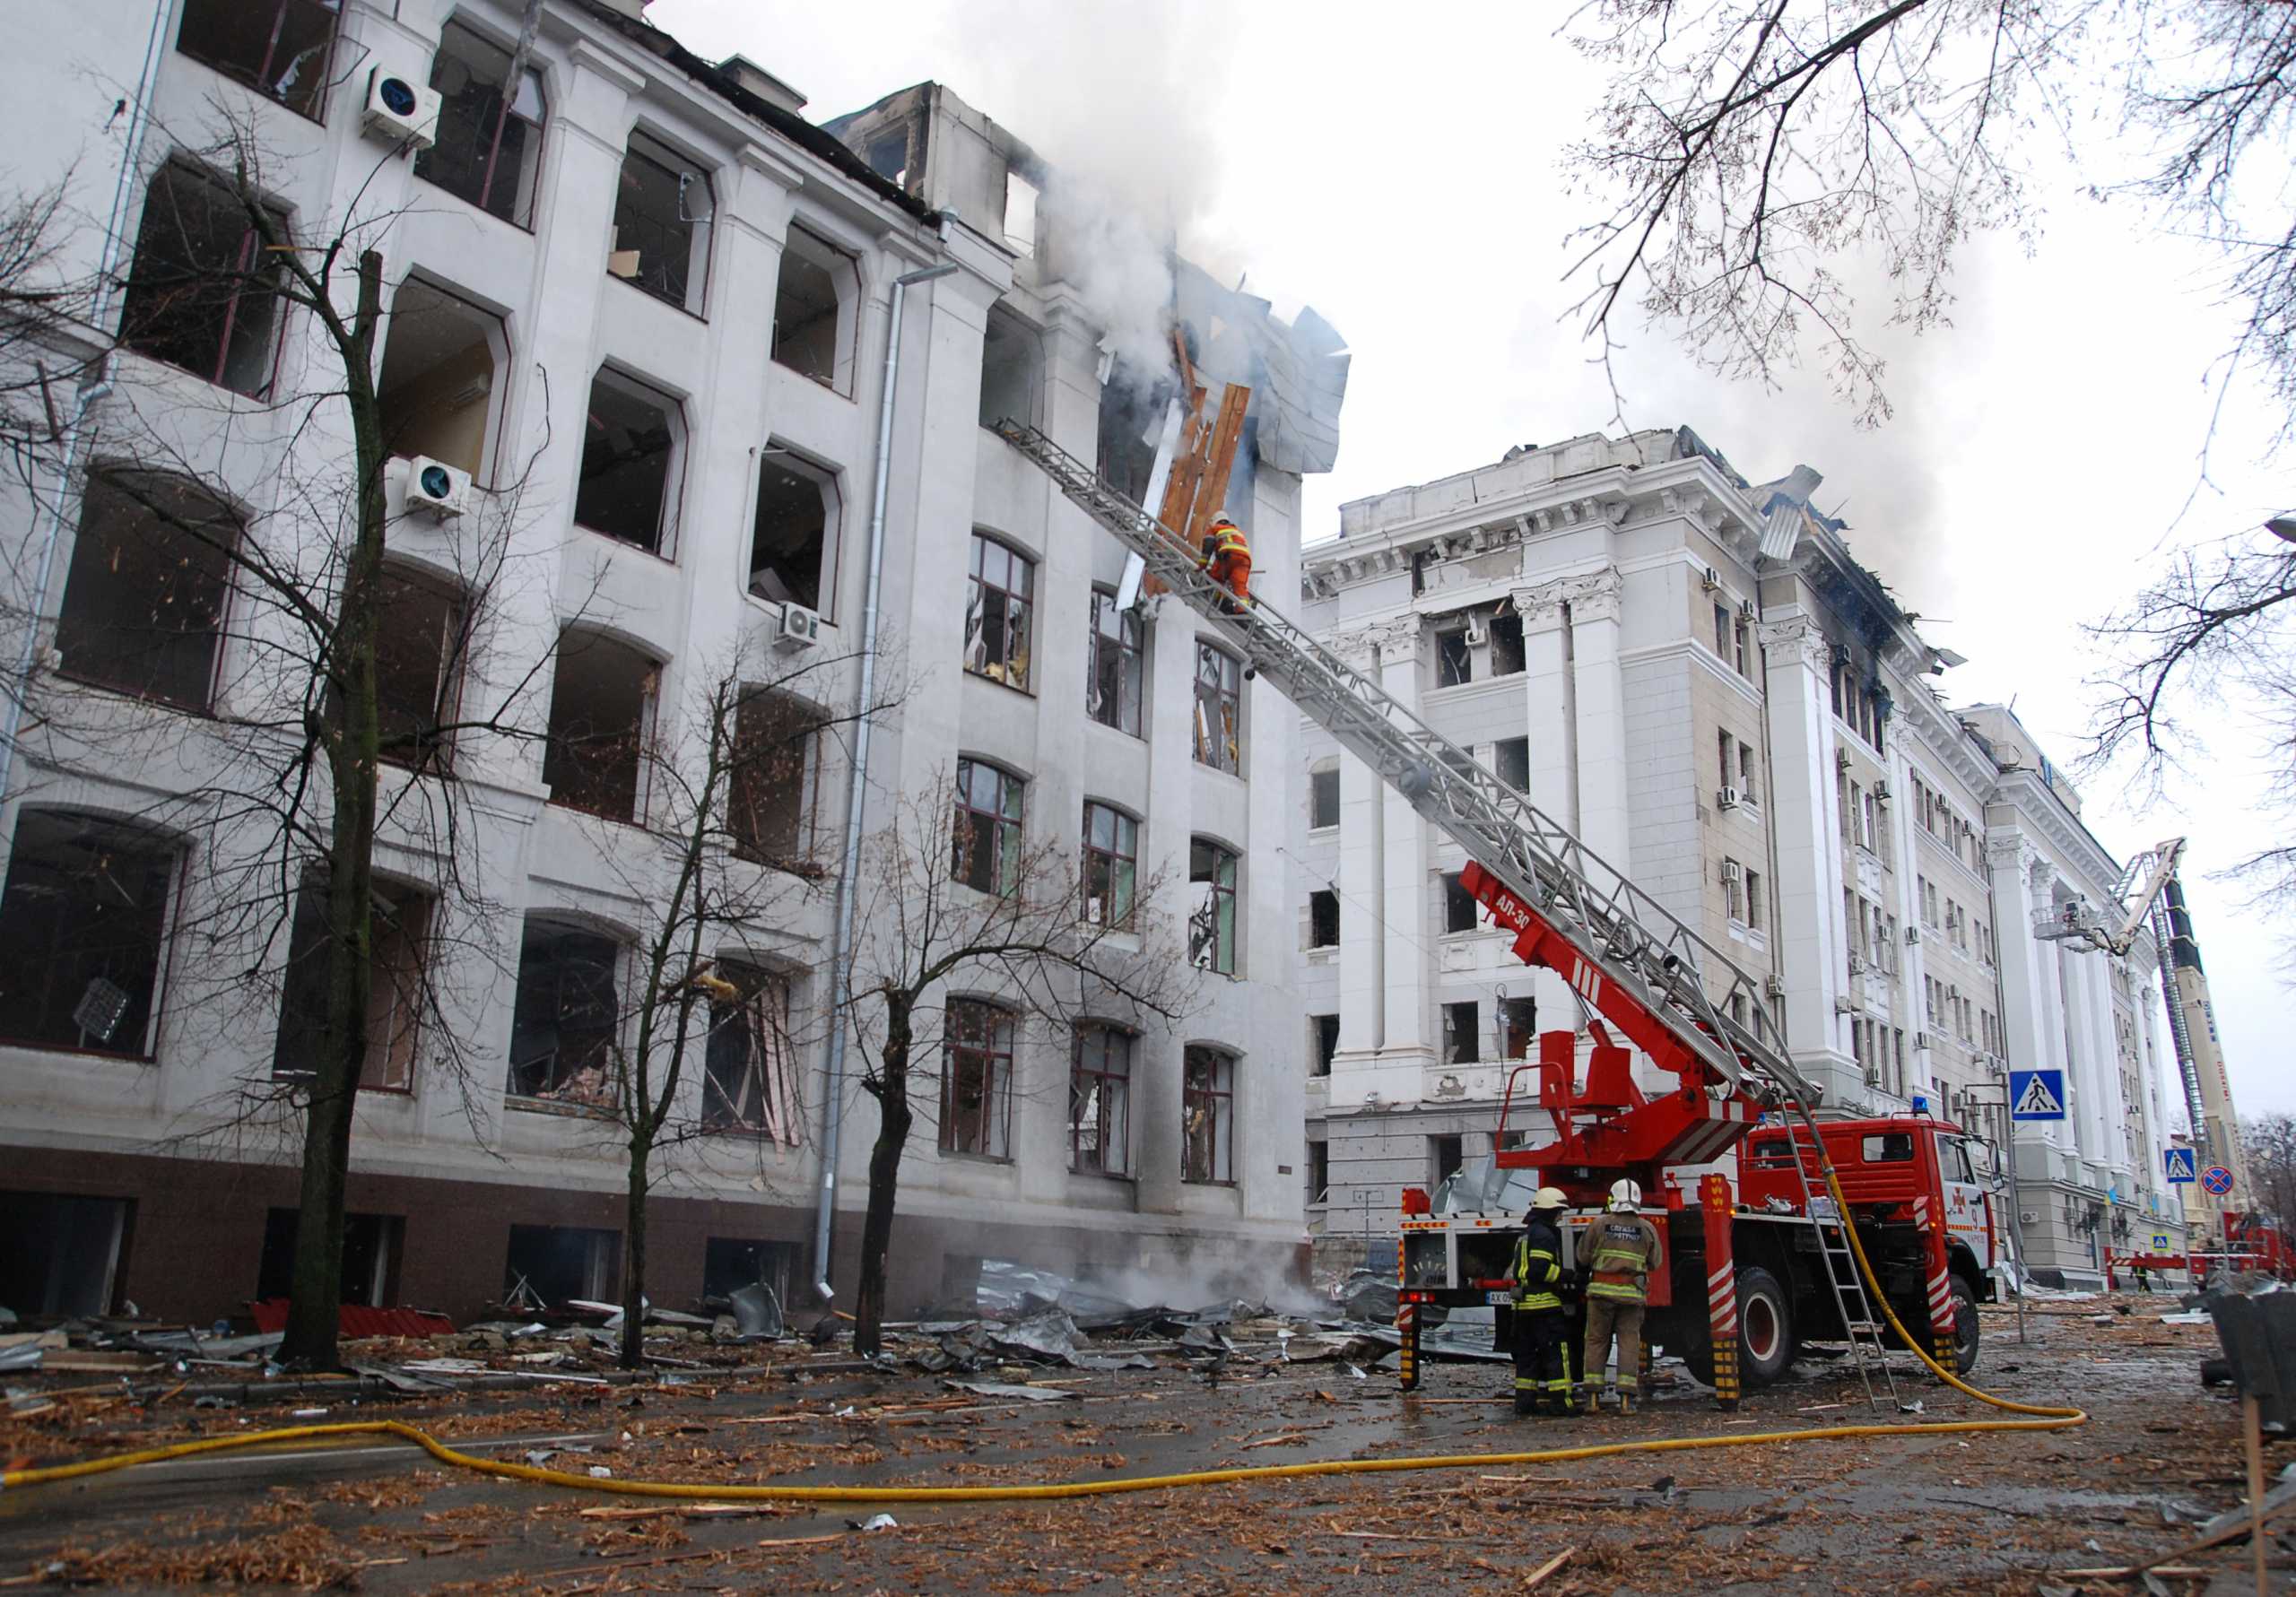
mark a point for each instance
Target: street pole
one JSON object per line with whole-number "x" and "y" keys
{"x": 2016, "y": 1220}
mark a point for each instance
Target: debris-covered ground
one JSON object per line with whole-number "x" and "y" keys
{"x": 1979, "y": 1513}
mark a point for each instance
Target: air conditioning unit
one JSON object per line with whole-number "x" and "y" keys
{"x": 1727, "y": 799}
{"x": 1745, "y": 610}
{"x": 1712, "y": 580}
{"x": 1844, "y": 1004}
{"x": 1774, "y": 984}
{"x": 401, "y": 111}
{"x": 801, "y": 628}
{"x": 2029, "y": 1216}
{"x": 1856, "y": 963}
{"x": 1731, "y": 869}
{"x": 1881, "y": 790}
{"x": 1476, "y": 636}
{"x": 435, "y": 488}
{"x": 1841, "y": 759}
{"x": 1913, "y": 936}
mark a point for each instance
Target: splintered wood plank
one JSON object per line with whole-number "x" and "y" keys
{"x": 1220, "y": 461}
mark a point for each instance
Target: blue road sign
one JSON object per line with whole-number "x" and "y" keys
{"x": 2217, "y": 1179}
{"x": 2036, "y": 1095}
{"x": 2181, "y": 1163}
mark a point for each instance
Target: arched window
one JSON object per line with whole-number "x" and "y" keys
{"x": 489, "y": 149}
{"x": 977, "y": 1080}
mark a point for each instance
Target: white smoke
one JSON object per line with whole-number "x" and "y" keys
{"x": 1119, "y": 261}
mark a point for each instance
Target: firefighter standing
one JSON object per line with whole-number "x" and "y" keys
{"x": 1541, "y": 1329}
{"x": 1227, "y": 560}
{"x": 1622, "y": 1249}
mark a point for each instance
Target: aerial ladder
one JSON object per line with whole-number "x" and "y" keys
{"x": 1665, "y": 988}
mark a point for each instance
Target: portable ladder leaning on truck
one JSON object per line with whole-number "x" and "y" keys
{"x": 1628, "y": 958}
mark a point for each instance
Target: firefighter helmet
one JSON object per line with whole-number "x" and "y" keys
{"x": 1625, "y": 1194}
{"x": 1549, "y": 1198}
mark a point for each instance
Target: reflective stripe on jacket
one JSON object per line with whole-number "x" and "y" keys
{"x": 1538, "y": 1268}
{"x": 1230, "y": 540}
{"x": 1622, "y": 1250}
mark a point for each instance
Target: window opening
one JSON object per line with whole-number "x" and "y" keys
{"x": 1453, "y": 661}
{"x": 1019, "y": 214}
{"x": 568, "y": 1016}
{"x": 1131, "y": 422}
{"x": 1219, "y": 710}
{"x": 1211, "y": 919}
{"x": 998, "y": 613}
{"x": 489, "y": 149}
{"x": 811, "y": 317}
{"x": 202, "y": 294}
{"x": 1323, "y": 919}
{"x": 1459, "y": 905}
{"x": 1462, "y": 1032}
{"x": 370, "y": 1255}
{"x": 1322, "y": 799}
{"x": 278, "y": 48}
{"x": 888, "y": 156}
{"x": 1445, "y": 1156}
{"x": 661, "y": 220}
{"x": 1207, "y": 1116}
{"x": 83, "y": 922}
{"x": 792, "y": 554}
{"x": 63, "y": 1252}
{"x": 150, "y": 581}
{"x": 1324, "y": 1032}
{"x": 419, "y": 652}
{"x": 1012, "y": 371}
{"x": 1111, "y": 866}
{"x": 1508, "y": 657}
{"x": 750, "y": 1069}
{"x": 987, "y": 831}
{"x": 1519, "y": 1019}
{"x": 769, "y": 790}
{"x": 436, "y": 388}
{"x": 1511, "y": 757}
{"x": 601, "y": 703}
{"x": 1099, "y": 1101}
{"x": 1112, "y": 685}
{"x": 975, "y": 1080}
{"x": 729, "y": 1263}
{"x": 399, "y": 922}
{"x": 552, "y": 1264}
{"x": 629, "y": 450}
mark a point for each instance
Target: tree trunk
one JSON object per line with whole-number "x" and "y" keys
{"x": 352, "y": 745}
{"x": 633, "y": 1268}
{"x": 891, "y": 1092}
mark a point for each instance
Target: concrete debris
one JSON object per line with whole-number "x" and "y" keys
{"x": 1006, "y": 1389}
{"x": 876, "y": 1521}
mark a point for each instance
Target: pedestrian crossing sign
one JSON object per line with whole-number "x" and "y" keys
{"x": 2036, "y": 1095}
{"x": 2183, "y": 1164}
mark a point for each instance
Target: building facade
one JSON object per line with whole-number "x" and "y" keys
{"x": 644, "y": 309}
{"x": 1695, "y": 676}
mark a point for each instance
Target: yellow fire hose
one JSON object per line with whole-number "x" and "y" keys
{"x": 2046, "y": 1418}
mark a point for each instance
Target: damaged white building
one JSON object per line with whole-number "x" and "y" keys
{"x": 644, "y": 291}
{"x": 1698, "y": 677}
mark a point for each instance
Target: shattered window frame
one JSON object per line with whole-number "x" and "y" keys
{"x": 976, "y": 1108}
{"x": 1211, "y": 874}
{"x": 1454, "y": 658}
{"x": 483, "y": 133}
{"x": 1462, "y": 1031}
{"x": 749, "y": 1084}
{"x": 1000, "y": 607}
{"x": 1323, "y": 919}
{"x": 607, "y": 490}
{"x": 1322, "y": 799}
{"x": 1461, "y": 909}
{"x": 1219, "y": 710}
{"x": 773, "y": 788}
{"x": 586, "y": 996}
{"x": 674, "y": 245}
{"x": 295, "y": 81}
{"x": 987, "y": 836}
{"x": 1111, "y": 873}
{"x": 1100, "y": 1100}
{"x": 397, "y": 959}
{"x": 193, "y": 587}
{"x": 1323, "y": 1036}
{"x": 211, "y": 316}
{"x": 1509, "y": 654}
{"x": 1207, "y": 1116}
{"x": 1113, "y": 675}
{"x": 129, "y": 951}
{"x": 1511, "y": 759}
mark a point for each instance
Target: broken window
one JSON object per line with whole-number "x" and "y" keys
{"x": 1207, "y": 1115}
{"x": 203, "y": 294}
{"x": 601, "y": 704}
{"x": 60, "y": 1253}
{"x": 977, "y": 1080}
{"x": 1099, "y": 1101}
{"x": 729, "y": 1263}
{"x": 1019, "y": 214}
{"x": 1754, "y": 901}
{"x": 399, "y": 920}
{"x": 1322, "y": 799}
{"x": 489, "y": 149}
{"x": 1506, "y": 654}
{"x": 629, "y": 448}
{"x": 1211, "y": 914}
{"x": 1459, "y": 905}
{"x": 552, "y": 1264}
{"x": 1131, "y": 423}
{"x": 150, "y": 579}
{"x": 1445, "y": 1154}
{"x": 1519, "y": 1018}
{"x": 1742, "y": 639}
{"x": 1722, "y": 624}
{"x": 1323, "y": 919}
{"x": 278, "y": 48}
{"x": 998, "y": 612}
{"x": 1323, "y": 1034}
{"x": 436, "y": 388}
{"x": 661, "y": 223}
{"x": 749, "y": 1080}
{"x": 1012, "y": 371}
{"x": 567, "y": 1017}
{"x": 1511, "y": 757}
{"x": 420, "y": 651}
{"x": 888, "y": 156}
{"x": 1111, "y": 866}
{"x": 1112, "y": 687}
{"x": 813, "y": 310}
{"x": 1319, "y": 1171}
{"x": 83, "y": 922}
{"x": 1725, "y": 745}
{"x": 792, "y": 555}
{"x": 987, "y": 828}
{"x": 1462, "y": 1032}
{"x": 370, "y": 1255}
{"x": 769, "y": 793}
{"x": 1454, "y": 660}
{"x": 1746, "y": 773}
{"x": 1219, "y": 710}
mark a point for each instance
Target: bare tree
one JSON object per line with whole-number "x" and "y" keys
{"x": 2270, "y": 1143}
{"x": 953, "y": 897}
{"x": 1753, "y": 159}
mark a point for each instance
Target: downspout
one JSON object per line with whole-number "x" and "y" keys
{"x": 85, "y": 399}
{"x": 857, "y": 798}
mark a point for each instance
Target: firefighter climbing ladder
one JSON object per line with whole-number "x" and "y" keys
{"x": 1612, "y": 925}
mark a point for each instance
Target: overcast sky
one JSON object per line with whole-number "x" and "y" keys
{"x": 1402, "y": 175}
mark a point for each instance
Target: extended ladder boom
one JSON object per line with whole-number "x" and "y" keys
{"x": 1634, "y": 954}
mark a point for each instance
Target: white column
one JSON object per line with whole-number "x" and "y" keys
{"x": 1599, "y": 714}
{"x": 1550, "y": 723}
{"x": 1403, "y": 871}
{"x": 1811, "y": 939}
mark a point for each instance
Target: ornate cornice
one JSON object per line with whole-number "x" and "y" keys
{"x": 1592, "y": 595}
{"x": 1797, "y": 640}
{"x": 1388, "y": 641}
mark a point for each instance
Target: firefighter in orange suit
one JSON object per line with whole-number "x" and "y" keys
{"x": 1622, "y": 1249}
{"x": 1227, "y": 558}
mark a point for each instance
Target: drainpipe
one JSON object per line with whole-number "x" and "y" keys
{"x": 857, "y": 799}
{"x": 85, "y": 399}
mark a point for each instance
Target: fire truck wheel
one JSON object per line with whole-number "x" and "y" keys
{"x": 1965, "y": 1332}
{"x": 1765, "y": 1328}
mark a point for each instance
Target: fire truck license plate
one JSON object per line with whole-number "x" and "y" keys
{"x": 1499, "y": 1298}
